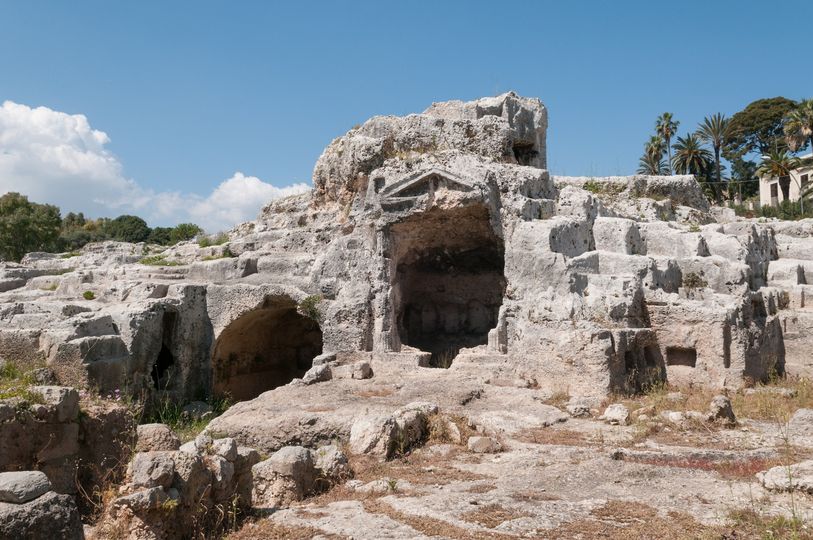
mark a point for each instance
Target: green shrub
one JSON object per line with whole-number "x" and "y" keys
{"x": 694, "y": 281}
{"x": 309, "y": 307}
{"x": 169, "y": 412}
{"x": 226, "y": 254}
{"x": 184, "y": 231}
{"x": 592, "y": 186}
{"x": 158, "y": 260}
{"x": 786, "y": 210}
{"x": 217, "y": 240}
{"x": 16, "y": 382}
{"x": 88, "y": 295}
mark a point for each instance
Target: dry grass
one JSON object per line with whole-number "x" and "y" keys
{"x": 481, "y": 488}
{"x": 419, "y": 467}
{"x": 771, "y": 406}
{"x": 622, "y": 520}
{"x": 492, "y": 515}
{"x": 441, "y": 429}
{"x": 752, "y": 524}
{"x": 431, "y": 526}
{"x": 559, "y": 399}
{"x": 534, "y": 496}
{"x": 765, "y": 405}
{"x": 735, "y": 469}
{"x": 266, "y": 529}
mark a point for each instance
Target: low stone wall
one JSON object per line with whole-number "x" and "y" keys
{"x": 77, "y": 450}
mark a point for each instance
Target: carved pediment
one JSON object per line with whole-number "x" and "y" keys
{"x": 426, "y": 182}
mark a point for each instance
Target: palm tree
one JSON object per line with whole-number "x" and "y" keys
{"x": 779, "y": 164}
{"x": 714, "y": 130}
{"x": 799, "y": 126}
{"x": 652, "y": 165}
{"x": 666, "y": 127}
{"x": 690, "y": 156}
{"x": 654, "y": 146}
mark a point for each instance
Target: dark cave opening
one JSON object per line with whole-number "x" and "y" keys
{"x": 450, "y": 282}
{"x": 262, "y": 350}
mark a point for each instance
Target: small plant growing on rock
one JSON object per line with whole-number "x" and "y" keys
{"x": 593, "y": 187}
{"x": 226, "y": 254}
{"x": 158, "y": 260}
{"x": 309, "y": 307}
{"x": 89, "y": 295}
{"x": 694, "y": 281}
{"x": 217, "y": 240}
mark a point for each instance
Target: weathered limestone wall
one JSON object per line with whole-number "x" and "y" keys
{"x": 426, "y": 234}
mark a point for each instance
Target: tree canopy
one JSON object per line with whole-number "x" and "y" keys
{"x": 128, "y": 228}
{"x": 758, "y": 128}
{"x": 798, "y": 126}
{"x": 26, "y": 226}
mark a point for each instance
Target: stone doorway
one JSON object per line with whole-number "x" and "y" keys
{"x": 164, "y": 366}
{"x": 448, "y": 280}
{"x": 262, "y": 350}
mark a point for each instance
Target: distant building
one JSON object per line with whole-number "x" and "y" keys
{"x": 773, "y": 191}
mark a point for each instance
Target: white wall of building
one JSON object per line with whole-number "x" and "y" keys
{"x": 801, "y": 177}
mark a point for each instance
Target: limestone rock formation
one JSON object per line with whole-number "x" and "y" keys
{"x": 30, "y": 510}
{"x": 436, "y": 263}
{"x": 439, "y": 232}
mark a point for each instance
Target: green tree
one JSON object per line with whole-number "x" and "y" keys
{"x": 184, "y": 231}
{"x": 690, "y": 156}
{"x": 652, "y": 161}
{"x": 26, "y": 226}
{"x": 666, "y": 127}
{"x": 744, "y": 175}
{"x": 652, "y": 165}
{"x": 758, "y": 128}
{"x": 713, "y": 131}
{"x": 127, "y": 229}
{"x": 798, "y": 126}
{"x": 160, "y": 235}
{"x": 73, "y": 221}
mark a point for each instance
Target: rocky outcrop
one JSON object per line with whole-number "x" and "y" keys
{"x": 798, "y": 476}
{"x": 437, "y": 264}
{"x": 45, "y": 431}
{"x": 30, "y": 510}
{"x": 180, "y": 493}
{"x": 440, "y": 232}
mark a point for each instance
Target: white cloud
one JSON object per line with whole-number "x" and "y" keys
{"x": 58, "y": 158}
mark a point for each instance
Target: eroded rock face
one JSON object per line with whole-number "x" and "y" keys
{"x": 506, "y": 128}
{"x": 23, "y": 486}
{"x": 156, "y": 437}
{"x": 177, "y": 494}
{"x": 441, "y": 235}
{"x": 38, "y": 512}
{"x": 798, "y": 476}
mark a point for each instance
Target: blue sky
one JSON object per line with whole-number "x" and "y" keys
{"x": 190, "y": 93}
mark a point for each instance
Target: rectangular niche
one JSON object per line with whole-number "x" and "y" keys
{"x": 681, "y": 356}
